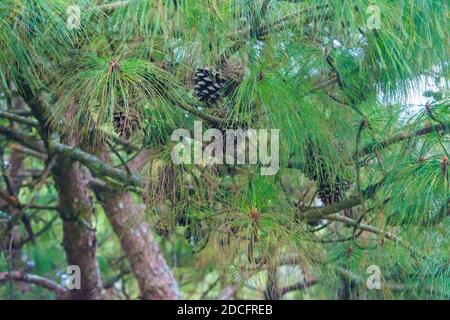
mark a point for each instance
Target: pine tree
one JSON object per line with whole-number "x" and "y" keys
{"x": 103, "y": 92}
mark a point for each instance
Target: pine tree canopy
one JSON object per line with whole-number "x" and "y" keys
{"x": 93, "y": 92}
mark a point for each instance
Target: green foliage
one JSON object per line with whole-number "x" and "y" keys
{"x": 334, "y": 88}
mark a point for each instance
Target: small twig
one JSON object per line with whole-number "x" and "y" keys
{"x": 40, "y": 232}
{"x": 122, "y": 161}
{"x": 96, "y": 165}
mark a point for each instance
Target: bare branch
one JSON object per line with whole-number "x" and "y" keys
{"x": 95, "y": 164}
{"x": 353, "y": 223}
{"x": 21, "y": 276}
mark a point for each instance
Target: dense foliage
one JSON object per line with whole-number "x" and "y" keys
{"x": 364, "y": 123}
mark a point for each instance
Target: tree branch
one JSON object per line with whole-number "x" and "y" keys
{"x": 196, "y": 112}
{"x": 21, "y": 276}
{"x": 400, "y": 137}
{"x": 30, "y": 152}
{"x": 353, "y": 223}
{"x": 365, "y": 227}
{"x": 318, "y": 213}
{"x": 22, "y": 139}
{"x": 18, "y": 118}
{"x": 95, "y": 164}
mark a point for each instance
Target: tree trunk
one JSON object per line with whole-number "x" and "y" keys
{"x": 155, "y": 279}
{"x": 79, "y": 237}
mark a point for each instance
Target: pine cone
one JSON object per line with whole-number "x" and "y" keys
{"x": 124, "y": 124}
{"x": 208, "y": 85}
{"x": 316, "y": 170}
{"x": 330, "y": 194}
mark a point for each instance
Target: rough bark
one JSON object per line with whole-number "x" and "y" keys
{"x": 148, "y": 265}
{"x": 28, "y": 278}
{"x": 79, "y": 238}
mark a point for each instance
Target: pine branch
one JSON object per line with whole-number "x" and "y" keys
{"x": 274, "y": 25}
{"x": 95, "y": 164}
{"x": 18, "y": 118}
{"x": 365, "y": 227}
{"x": 21, "y": 276}
{"x": 371, "y": 148}
{"x": 21, "y": 139}
{"x": 26, "y": 151}
{"x": 319, "y": 213}
{"x": 262, "y": 31}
